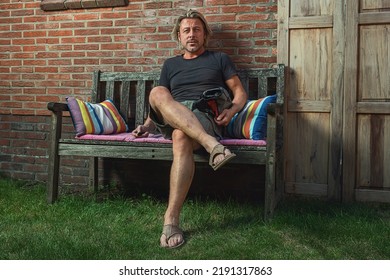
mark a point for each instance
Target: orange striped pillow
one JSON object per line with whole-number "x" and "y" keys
{"x": 98, "y": 118}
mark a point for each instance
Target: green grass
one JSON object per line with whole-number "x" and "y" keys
{"x": 81, "y": 227}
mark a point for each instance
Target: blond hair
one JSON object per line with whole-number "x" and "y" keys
{"x": 192, "y": 14}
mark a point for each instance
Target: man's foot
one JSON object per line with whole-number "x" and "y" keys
{"x": 219, "y": 156}
{"x": 172, "y": 237}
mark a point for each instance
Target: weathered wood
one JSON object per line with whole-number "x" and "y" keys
{"x": 337, "y": 53}
{"x": 350, "y": 87}
{"x": 311, "y": 22}
{"x": 121, "y": 86}
{"x": 54, "y": 158}
{"x": 374, "y": 18}
{"x": 336, "y": 110}
{"x": 374, "y": 5}
{"x": 311, "y": 8}
{"x": 310, "y": 35}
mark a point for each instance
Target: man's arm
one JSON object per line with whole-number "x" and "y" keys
{"x": 239, "y": 99}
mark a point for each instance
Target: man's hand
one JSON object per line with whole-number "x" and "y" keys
{"x": 224, "y": 118}
{"x": 141, "y": 131}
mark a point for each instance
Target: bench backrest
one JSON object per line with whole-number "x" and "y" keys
{"x": 130, "y": 90}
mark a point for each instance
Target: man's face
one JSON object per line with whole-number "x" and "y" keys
{"x": 192, "y": 35}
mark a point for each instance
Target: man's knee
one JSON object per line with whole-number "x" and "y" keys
{"x": 182, "y": 141}
{"x": 179, "y": 136}
{"x": 157, "y": 94}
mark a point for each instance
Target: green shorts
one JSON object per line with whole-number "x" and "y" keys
{"x": 205, "y": 119}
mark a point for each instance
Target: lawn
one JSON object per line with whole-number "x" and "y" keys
{"x": 80, "y": 227}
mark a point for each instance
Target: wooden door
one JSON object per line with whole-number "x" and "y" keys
{"x": 338, "y": 114}
{"x": 309, "y": 42}
{"x": 367, "y": 108}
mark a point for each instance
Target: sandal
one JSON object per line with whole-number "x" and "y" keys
{"x": 171, "y": 230}
{"x": 219, "y": 150}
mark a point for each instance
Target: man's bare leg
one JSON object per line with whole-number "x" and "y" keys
{"x": 188, "y": 135}
{"x": 182, "y": 173}
{"x": 178, "y": 116}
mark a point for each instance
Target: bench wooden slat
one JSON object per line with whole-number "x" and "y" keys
{"x": 95, "y": 85}
{"x": 125, "y": 99}
{"x": 110, "y": 90}
{"x": 140, "y": 100}
{"x": 155, "y": 152}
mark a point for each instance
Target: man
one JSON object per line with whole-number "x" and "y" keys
{"x": 183, "y": 79}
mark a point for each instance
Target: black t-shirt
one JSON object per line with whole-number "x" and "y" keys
{"x": 188, "y": 78}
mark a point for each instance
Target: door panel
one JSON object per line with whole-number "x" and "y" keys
{"x": 372, "y": 101}
{"x": 338, "y": 97}
{"x": 306, "y": 40}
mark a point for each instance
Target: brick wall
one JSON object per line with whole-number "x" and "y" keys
{"x": 48, "y": 55}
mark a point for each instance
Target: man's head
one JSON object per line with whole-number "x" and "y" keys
{"x": 192, "y": 27}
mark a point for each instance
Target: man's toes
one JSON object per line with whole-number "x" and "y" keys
{"x": 163, "y": 241}
{"x": 175, "y": 240}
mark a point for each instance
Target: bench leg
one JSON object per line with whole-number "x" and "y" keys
{"x": 54, "y": 159}
{"x": 274, "y": 184}
{"x": 93, "y": 174}
{"x": 269, "y": 202}
{"x": 270, "y": 169}
{"x": 53, "y": 177}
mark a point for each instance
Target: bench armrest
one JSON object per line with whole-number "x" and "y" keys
{"x": 57, "y": 107}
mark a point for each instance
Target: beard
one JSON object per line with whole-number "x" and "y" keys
{"x": 192, "y": 46}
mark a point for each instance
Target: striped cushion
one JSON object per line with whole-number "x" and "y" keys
{"x": 251, "y": 121}
{"x": 100, "y": 118}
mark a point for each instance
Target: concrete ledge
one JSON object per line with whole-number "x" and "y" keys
{"x": 57, "y": 5}
{"x": 73, "y": 4}
{"x": 53, "y": 5}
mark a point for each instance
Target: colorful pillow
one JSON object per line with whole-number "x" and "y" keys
{"x": 251, "y": 121}
{"x": 99, "y": 118}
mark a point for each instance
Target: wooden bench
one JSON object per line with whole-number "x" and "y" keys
{"x": 129, "y": 91}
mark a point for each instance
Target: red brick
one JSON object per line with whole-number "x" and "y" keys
{"x": 10, "y": 62}
{"x": 60, "y": 17}
{"x": 47, "y": 55}
{"x": 60, "y": 33}
{"x": 115, "y": 15}
{"x": 73, "y": 40}
{"x": 34, "y": 62}
{"x": 10, "y": 35}
{"x": 51, "y": 25}
{"x": 113, "y": 46}
{"x": 112, "y": 61}
{"x": 86, "y": 47}
{"x": 86, "y": 32}
{"x": 22, "y": 56}
{"x": 111, "y": 3}
{"x": 22, "y": 70}
{"x": 253, "y": 17}
{"x": 100, "y": 23}
{"x": 34, "y": 48}
{"x": 46, "y": 69}
{"x": 23, "y": 98}
{"x": 86, "y": 16}
{"x": 33, "y": 76}
{"x": 60, "y": 62}
{"x": 34, "y": 19}
{"x": 23, "y": 84}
